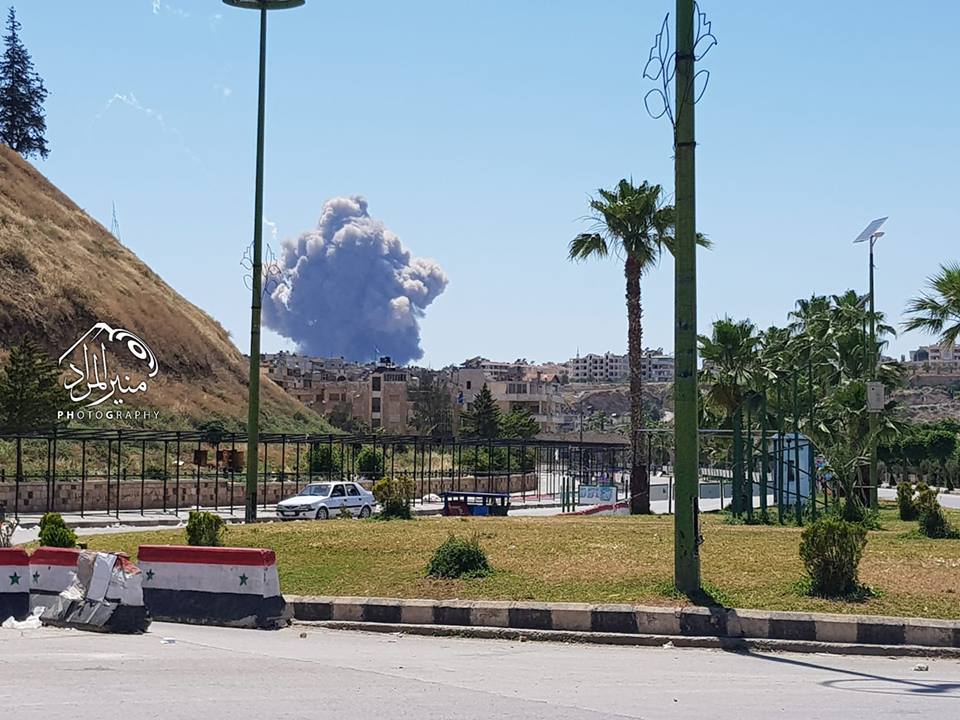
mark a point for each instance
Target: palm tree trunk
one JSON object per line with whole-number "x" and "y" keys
{"x": 639, "y": 480}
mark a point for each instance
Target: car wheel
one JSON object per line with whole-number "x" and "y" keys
{"x": 365, "y": 511}
{"x": 322, "y": 513}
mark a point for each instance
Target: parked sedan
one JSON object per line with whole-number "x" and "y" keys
{"x": 327, "y": 499}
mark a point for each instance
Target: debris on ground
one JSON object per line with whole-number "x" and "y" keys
{"x": 107, "y": 596}
{"x": 31, "y": 623}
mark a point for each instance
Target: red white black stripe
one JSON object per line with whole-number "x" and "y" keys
{"x": 14, "y": 583}
{"x": 52, "y": 570}
{"x": 217, "y": 586}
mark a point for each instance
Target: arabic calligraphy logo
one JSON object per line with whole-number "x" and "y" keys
{"x": 91, "y": 367}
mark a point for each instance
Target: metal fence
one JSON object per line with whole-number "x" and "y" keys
{"x": 110, "y": 471}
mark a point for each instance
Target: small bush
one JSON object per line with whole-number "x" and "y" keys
{"x": 55, "y": 533}
{"x": 370, "y": 462}
{"x": 831, "y": 550}
{"x": 394, "y": 497}
{"x": 905, "y": 502}
{"x": 459, "y": 557}
{"x": 205, "y": 529}
{"x": 933, "y": 522}
{"x": 325, "y": 458}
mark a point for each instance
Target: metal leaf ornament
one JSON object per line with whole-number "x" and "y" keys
{"x": 661, "y": 69}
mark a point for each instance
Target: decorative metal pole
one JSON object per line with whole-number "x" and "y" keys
{"x": 256, "y": 280}
{"x": 686, "y": 533}
{"x": 678, "y": 88}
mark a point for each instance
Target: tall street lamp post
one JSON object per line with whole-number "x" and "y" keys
{"x": 253, "y": 402}
{"x": 871, "y": 234}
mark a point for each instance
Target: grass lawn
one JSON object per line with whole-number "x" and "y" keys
{"x": 600, "y": 560}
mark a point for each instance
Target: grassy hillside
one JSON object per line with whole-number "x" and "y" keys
{"x": 61, "y": 272}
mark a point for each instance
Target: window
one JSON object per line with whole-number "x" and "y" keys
{"x": 375, "y": 405}
{"x": 375, "y": 423}
{"x": 469, "y": 384}
{"x": 376, "y": 383}
{"x": 337, "y": 491}
{"x": 353, "y": 491}
{"x": 316, "y": 490}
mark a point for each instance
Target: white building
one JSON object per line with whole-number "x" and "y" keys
{"x": 655, "y": 366}
{"x": 540, "y": 396}
{"x": 591, "y": 368}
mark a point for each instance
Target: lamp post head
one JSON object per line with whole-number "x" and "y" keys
{"x": 265, "y": 4}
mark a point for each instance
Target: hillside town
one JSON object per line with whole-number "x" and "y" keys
{"x": 587, "y": 391}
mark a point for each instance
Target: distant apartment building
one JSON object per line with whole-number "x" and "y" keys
{"x": 496, "y": 370}
{"x": 655, "y": 366}
{"x": 605, "y": 368}
{"x": 935, "y": 353}
{"x": 374, "y": 395}
{"x": 540, "y": 396}
{"x": 937, "y": 364}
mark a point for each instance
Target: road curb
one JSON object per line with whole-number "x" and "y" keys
{"x": 633, "y": 620}
{"x": 641, "y": 640}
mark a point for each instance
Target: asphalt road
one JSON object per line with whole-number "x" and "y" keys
{"x": 215, "y": 672}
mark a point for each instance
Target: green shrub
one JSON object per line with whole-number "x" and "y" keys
{"x": 394, "y": 497}
{"x": 325, "y": 458}
{"x": 154, "y": 472}
{"x": 458, "y": 557}
{"x": 370, "y": 462}
{"x": 933, "y": 521}
{"x": 905, "y": 502}
{"x": 205, "y": 529}
{"x": 499, "y": 460}
{"x": 831, "y": 549}
{"x": 55, "y": 533}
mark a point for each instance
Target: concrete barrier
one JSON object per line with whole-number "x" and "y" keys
{"x": 233, "y": 587}
{"x": 52, "y": 570}
{"x": 691, "y": 621}
{"x": 14, "y": 583}
{"x": 105, "y": 596}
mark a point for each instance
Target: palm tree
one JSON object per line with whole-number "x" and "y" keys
{"x": 938, "y": 310}
{"x": 635, "y": 224}
{"x": 730, "y": 374}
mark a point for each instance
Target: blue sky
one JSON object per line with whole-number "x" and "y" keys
{"x": 477, "y": 132}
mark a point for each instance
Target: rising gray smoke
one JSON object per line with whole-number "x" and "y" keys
{"x": 351, "y": 288}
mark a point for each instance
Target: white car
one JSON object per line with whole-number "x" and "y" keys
{"x": 319, "y": 501}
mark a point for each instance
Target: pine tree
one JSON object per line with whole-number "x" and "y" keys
{"x": 30, "y": 393}
{"x": 519, "y": 423}
{"x": 23, "y": 125}
{"x": 483, "y": 418}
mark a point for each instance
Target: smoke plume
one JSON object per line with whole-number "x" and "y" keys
{"x": 351, "y": 288}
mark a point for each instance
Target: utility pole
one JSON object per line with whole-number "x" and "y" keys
{"x": 256, "y": 281}
{"x": 871, "y": 234}
{"x": 687, "y": 461}
{"x": 874, "y": 480}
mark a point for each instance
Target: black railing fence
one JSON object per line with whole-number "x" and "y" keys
{"x": 96, "y": 471}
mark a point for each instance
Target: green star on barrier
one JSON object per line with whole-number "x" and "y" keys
{"x": 36, "y": 577}
{"x": 14, "y": 579}
{"x": 149, "y": 574}
{"x": 243, "y": 579}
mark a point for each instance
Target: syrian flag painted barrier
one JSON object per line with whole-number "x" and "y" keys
{"x": 234, "y": 587}
{"x": 14, "y": 583}
{"x": 52, "y": 570}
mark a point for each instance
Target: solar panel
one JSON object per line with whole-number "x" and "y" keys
{"x": 870, "y": 230}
